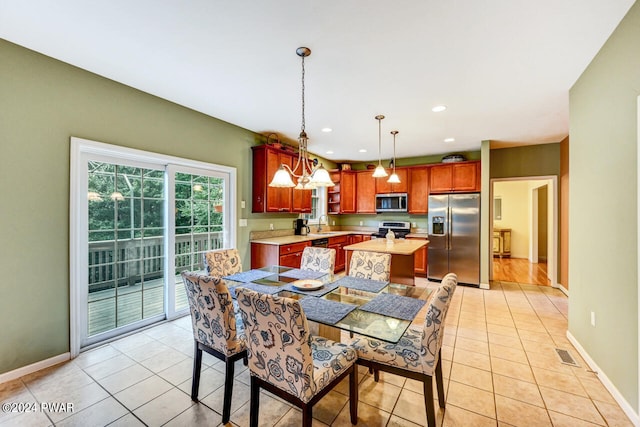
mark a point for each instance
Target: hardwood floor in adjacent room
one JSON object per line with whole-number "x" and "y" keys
{"x": 520, "y": 270}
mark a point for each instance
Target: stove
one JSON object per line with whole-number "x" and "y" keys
{"x": 399, "y": 228}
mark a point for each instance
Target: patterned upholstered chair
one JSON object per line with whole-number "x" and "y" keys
{"x": 370, "y": 265}
{"x": 417, "y": 354}
{"x": 287, "y": 361}
{"x": 222, "y": 262}
{"x": 318, "y": 259}
{"x": 217, "y": 329}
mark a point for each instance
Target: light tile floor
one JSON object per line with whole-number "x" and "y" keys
{"x": 499, "y": 364}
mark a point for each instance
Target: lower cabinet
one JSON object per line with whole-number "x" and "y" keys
{"x": 420, "y": 259}
{"x": 338, "y": 243}
{"x": 263, "y": 255}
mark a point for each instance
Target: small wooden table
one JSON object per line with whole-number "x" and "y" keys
{"x": 402, "y": 256}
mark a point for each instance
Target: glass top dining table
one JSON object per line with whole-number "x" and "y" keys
{"x": 379, "y": 326}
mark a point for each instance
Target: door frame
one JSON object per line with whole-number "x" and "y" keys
{"x": 78, "y": 262}
{"x": 552, "y": 252}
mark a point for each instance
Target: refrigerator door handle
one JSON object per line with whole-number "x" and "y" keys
{"x": 449, "y": 229}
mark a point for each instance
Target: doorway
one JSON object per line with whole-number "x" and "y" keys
{"x": 527, "y": 221}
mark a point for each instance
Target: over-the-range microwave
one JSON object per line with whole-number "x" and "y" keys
{"x": 393, "y": 202}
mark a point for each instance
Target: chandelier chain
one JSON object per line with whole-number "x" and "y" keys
{"x": 303, "y": 122}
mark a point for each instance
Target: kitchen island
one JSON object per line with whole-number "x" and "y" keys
{"x": 402, "y": 256}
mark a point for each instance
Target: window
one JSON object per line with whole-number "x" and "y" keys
{"x": 318, "y": 204}
{"x": 138, "y": 219}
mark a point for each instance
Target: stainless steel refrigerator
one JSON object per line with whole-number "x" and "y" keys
{"x": 454, "y": 237}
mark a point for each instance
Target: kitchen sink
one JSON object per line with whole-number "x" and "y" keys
{"x": 321, "y": 233}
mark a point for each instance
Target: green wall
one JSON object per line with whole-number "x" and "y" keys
{"x": 530, "y": 160}
{"x": 43, "y": 103}
{"x": 603, "y": 215}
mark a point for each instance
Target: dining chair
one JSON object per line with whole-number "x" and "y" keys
{"x": 222, "y": 262}
{"x": 318, "y": 259}
{"x": 217, "y": 329}
{"x": 417, "y": 354}
{"x": 370, "y": 265}
{"x": 287, "y": 361}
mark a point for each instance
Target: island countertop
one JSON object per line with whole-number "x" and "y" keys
{"x": 398, "y": 247}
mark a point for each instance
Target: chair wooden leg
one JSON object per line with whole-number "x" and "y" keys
{"x": 197, "y": 367}
{"x": 254, "y": 407}
{"x": 440, "y": 384}
{"x": 428, "y": 401}
{"x": 228, "y": 391}
{"x": 376, "y": 374}
{"x": 307, "y": 416}
{"x": 353, "y": 395}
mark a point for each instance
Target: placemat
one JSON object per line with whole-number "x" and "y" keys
{"x": 263, "y": 289}
{"x": 361, "y": 284}
{"x": 328, "y": 287}
{"x": 297, "y": 273}
{"x": 392, "y": 305}
{"x": 325, "y": 311}
{"x": 249, "y": 276}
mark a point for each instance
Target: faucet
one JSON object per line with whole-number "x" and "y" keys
{"x": 320, "y": 222}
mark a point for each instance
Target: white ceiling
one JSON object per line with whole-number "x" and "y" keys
{"x": 502, "y": 67}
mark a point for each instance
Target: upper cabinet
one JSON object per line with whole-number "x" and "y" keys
{"x": 266, "y": 161}
{"x": 365, "y": 192}
{"x": 454, "y": 177}
{"x": 333, "y": 193}
{"x": 383, "y": 187}
{"x": 418, "y": 190}
{"x": 348, "y": 192}
{"x": 342, "y": 196}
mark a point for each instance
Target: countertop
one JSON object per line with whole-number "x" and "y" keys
{"x": 398, "y": 247}
{"x": 286, "y": 240}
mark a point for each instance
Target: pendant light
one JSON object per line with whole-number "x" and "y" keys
{"x": 309, "y": 177}
{"x": 394, "y": 178}
{"x": 379, "y": 172}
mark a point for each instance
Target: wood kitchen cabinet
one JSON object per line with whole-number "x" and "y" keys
{"x": 365, "y": 192}
{"x": 383, "y": 187}
{"x": 266, "y": 161}
{"x": 347, "y": 192}
{"x": 420, "y": 259}
{"x": 341, "y": 198}
{"x": 263, "y": 255}
{"x": 418, "y": 200}
{"x": 454, "y": 177}
{"x": 333, "y": 193}
{"x": 338, "y": 243}
{"x": 301, "y": 201}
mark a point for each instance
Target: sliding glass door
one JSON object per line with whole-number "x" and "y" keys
{"x": 199, "y": 202}
{"x": 138, "y": 220}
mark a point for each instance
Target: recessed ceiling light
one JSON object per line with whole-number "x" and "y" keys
{"x": 329, "y": 152}
{"x": 326, "y": 129}
{"x": 439, "y": 108}
{"x": 449, "y": 139}
{"x": 362, "y": 150}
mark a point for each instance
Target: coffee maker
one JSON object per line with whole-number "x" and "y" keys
{"x": 301, "y": 228}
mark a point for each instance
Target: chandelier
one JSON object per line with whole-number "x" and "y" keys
{"x": 379, "y": 172}
{"x": 308, "y": 176}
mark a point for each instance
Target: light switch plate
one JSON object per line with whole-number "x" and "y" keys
{"x": 243, "y": 222}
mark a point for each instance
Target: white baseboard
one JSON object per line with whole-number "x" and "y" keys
{"x": 628, "y": 409}
{"x": 34, "y": 367}
{"x": 562, "y": 288}
{"x": 484, "y": 286}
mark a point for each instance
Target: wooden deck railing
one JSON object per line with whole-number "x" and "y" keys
{"x": 144, "y": 258}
